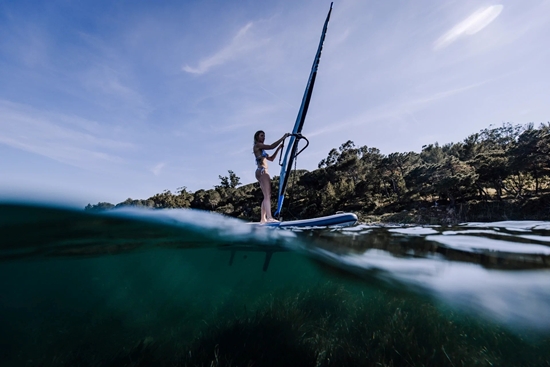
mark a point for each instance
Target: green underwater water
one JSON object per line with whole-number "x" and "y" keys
{"x": 169, "y": 306}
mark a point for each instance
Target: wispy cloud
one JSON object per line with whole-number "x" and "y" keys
{"x": 238, "y": 45}
{"x": 396, "y": 110}
{"x": 67, "y": 139}
{"x": 421, "y": 102}
{"x": 469, "y": 26}
{"x": 158, "y": 168}
{"x": 109, "y": 83}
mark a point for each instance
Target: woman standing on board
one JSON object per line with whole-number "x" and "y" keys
{"x": 261, "y": 171}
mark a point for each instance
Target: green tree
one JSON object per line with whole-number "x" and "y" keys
{"x": 213, "y": 198}
{"x": 394, "y": 166}
{"x": 330, "y": 160}
{"x": 454, "y": 179}
{"x": 230, "y": 182}
{"x": 432, "y": 153}
{"x": 199, "y": 200}
{"x": 492, "y": 167}
{"x": 99, "y": 206}
{"x": 530, "y": 156}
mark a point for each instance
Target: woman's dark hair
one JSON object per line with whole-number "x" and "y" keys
{"x": 257, "y": 134}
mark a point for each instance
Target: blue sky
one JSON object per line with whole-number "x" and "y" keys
{"x": 105, "y": 100}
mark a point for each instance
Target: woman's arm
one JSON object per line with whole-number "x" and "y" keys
{"x": 272, "y": 157}
{"x": 271, "y": 146}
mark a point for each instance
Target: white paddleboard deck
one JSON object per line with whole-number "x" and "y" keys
{"x": 336, "y": 220}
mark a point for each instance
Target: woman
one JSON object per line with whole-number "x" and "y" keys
{"x": 261, "y": 171}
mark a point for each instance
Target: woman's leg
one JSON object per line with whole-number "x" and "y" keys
{"x": 259, "y": 175}
{"x": 265, "y": 184}
{"x": 264, "y": 212}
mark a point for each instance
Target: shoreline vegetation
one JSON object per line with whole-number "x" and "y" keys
{"x": 499, "y": 173}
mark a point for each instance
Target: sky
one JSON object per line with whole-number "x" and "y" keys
{"x": 101, "y": 101}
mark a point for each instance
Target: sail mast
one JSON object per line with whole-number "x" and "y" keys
{"x": 292, "y": 147}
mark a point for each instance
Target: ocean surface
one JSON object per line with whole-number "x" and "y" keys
{"x": 140, "y": 287}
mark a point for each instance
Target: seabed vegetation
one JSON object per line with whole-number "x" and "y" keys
{"x": 330, "y": 325}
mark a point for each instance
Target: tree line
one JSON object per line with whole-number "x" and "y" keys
{"x": 507, "y": 163}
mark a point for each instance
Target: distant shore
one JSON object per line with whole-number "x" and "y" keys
{"x": 500, "y": 173}
{"x": 536, "y": 208}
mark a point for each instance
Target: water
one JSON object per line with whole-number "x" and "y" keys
{"x": 178, "y": 287}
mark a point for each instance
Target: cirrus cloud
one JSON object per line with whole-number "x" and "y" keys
{"x": 238, "y": 45}
{"x": 480, "y": 19}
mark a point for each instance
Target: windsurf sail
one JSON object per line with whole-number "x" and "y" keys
{"x": 292, "y": 147}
